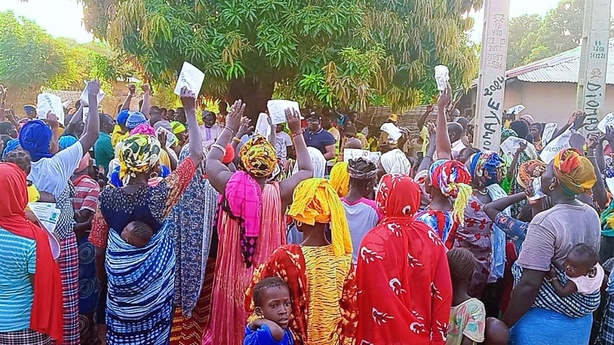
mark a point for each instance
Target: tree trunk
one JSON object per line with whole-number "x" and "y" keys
{"x": 254, "y": 94}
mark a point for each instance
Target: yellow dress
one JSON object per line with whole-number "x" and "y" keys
{"x": 33, "y": 194}
{"x": 326, "y": 275}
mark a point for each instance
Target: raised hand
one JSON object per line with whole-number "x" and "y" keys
{"x": 233, "y": 119}
{"x": 188, "y": 99}
{"x": 145, "y": 88}
{"x": 521, "y": 147}
{"x": 294, "y": 120}
{"x": 445, "y": 97}
{"x": 245, "y": 127}
{"x": 609, "y": 134}
{"x": 93, "y": 88}
{"x": 132, "y": 89}
{"x": 52, "y": 120}
{"x": 162, "y": 138}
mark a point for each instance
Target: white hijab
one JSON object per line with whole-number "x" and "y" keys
{"x": 318, "y": 161}
{"x": 395, "y": 162}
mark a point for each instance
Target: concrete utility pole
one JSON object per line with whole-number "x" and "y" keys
{"x": 491, "y": 84}
{"x": 594, "y": 62}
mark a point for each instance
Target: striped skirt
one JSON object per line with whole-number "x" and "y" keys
{"x": 24, "y": 337}
{"x": 69, "y": 270}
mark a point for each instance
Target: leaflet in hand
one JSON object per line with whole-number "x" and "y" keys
{"x": 356, "y": 153}
{"x": 46, "y": 213}
{"x": 47, "y": 102}
{"x": 190, "y": 77}
{"x": 607, "y": 121}
{"x": 277, "y": 109}
{"x": 84, "y": 96}
{"x": 262, "y": 125}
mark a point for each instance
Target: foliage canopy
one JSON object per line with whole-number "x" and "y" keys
{"x": 344, "y": 53}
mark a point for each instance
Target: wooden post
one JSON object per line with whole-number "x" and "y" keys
{"x": 491, "y": 84}
{"x": 594, "y": 62}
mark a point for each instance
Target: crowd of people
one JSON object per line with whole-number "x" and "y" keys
{"x": 181, "y": 228}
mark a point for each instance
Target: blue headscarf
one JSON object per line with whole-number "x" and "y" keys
{"x": 486, "y": 161}
{"x": 122, "y": 117}
{"x": 67, "y": 141}
{"x": 11, "y": 145}
{"x": 135, "y": 119}
{"x": 35, "y": 137}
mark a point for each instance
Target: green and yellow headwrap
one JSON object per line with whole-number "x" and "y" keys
{"x": 258, "y": 157}
{"x": 137, "y": 154}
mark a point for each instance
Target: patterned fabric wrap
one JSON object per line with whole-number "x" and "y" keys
{"x": 144, "y": 129}
{"x": 486, "y": 167}
{"x": 135, "y": 119}
{"x": 574, "y": 171}
{"x": 69, "y": 270}
{"x": 11, "y": 145}
{"x": 498, "y": 238}
{"x": 24, "y": 337}
{"x": 138, "y": 154}
{"x": 244, "y": 197}
{"x": 576, "y": 305}
{"x": 340, "y": 179}
{"x": 452, "y": 178}
{"x": 528, "y": 171}
{"x": 191, "y": 225}
{"x": 315, "y": 201}
{"x": 141, "y": 284}
{"x": 258, "y": 157}
{"x": 507, "y": 133}
{"x": 606, "y": 331}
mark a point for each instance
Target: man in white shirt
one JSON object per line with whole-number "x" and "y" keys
{"x": 456, "y": 133}
{"x": 283, "y": 143}
{"x": 209, "y": 130}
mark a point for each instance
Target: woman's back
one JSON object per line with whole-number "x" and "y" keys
{"x": 554, "y": 232}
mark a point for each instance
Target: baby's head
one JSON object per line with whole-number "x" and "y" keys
{"x": 462, "y": 265}
{"x": 581, "y": 259}
{"x": 272, "y": 300}
{"x": 137, "y": 234}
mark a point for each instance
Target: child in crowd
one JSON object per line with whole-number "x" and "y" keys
{"x": 468, "y": 315}
{"x": 22, "y": 159}
{"x": 137, "y": 234}
{"x": 273, "y": 307}
{"x": 583, "y": 270}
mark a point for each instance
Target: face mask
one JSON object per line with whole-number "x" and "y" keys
{"x": 537, "y": 189}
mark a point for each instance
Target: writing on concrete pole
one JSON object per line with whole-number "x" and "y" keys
{"x": 594, "y": 62}
{"x": 491, "y": 82}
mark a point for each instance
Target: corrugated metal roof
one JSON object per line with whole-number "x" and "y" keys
{"x": 561, "y": 68}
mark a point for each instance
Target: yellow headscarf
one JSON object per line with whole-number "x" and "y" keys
{"x": 315, "y": 201}
{"x": 258, "y": 157}
{"x": 340, "y": 179}
{"x": 138, "y": 154}
{"x": 574, "y": 171}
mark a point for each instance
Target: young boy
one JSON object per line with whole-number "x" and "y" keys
{"x": 583, "y": 270}
{"x": 273, "y": 307}
{"x": 137, "y": 234}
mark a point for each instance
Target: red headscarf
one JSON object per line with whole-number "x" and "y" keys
{"x": 46, "y": 316}
{"x": 403, "y": 204}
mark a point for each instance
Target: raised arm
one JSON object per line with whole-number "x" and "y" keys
{"x": 442, "y": 141}
{"x": 427, "y": 160}
{"x": 128, "y": 100}
{"x": 511, "y": 172}
{"x": 92, "y": 124}
{"x": 188, "y": 99}
{"x": 494, "y": 207}
{"x": 305, "y": 166}
{"x": 422, "y": 119}
{"x": 78, "y": 117}
{"x": 594, "y": 150}
{"x": 217, "y": 172}
{"x": 147, "y": 100}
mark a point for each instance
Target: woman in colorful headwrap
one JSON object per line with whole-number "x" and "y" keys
{"x": 340, "y": 178}
{"x": 447, "y": 182}
{"x": 31, "y": 293}
{"x": 141, "y": 280}
{"x": 538, "y": 315}
{"x": 251, "y": 220}
{"x": 50, "y": 172}
{"x": 487, "y": 243}
{"x": 403, "y": 279}
{"x": 316, "y": 270}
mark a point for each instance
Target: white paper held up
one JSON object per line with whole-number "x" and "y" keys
{"x": 607, "y": 120}
{"x": 85, "y": 99}
{"x": 511, "y": 144}
{"x": 277, "y": 109}
{"x": 262, "y": 125}
{"x": 442, "y": 76}
{"x": 47, "y": 102}
{"x": 549, "y": 130}
{"x": 554, "y": 146}
{"x": 190, "y": 77}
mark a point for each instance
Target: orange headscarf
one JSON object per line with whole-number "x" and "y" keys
{"x": 46, "y": 315}
{"x": 574, "y": 171}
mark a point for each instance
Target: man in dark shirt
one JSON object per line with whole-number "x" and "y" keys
{"x": 316, "y": 136}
